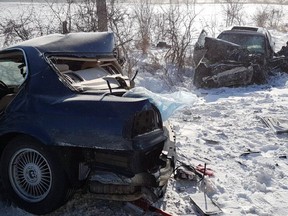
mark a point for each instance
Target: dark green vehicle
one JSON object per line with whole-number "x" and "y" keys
{"x": 239, "y": 56}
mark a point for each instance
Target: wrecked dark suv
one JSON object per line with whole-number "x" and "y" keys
{"x": 65, "y": 123}
{"x": 236, "y": 57}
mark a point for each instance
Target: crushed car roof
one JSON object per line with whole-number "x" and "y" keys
{"x": 92, "y": 42}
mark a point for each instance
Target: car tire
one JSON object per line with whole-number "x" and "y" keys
{"x": 32, "y": 176}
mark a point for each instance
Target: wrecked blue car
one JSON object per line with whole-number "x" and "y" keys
{"x": 65, "y": 124}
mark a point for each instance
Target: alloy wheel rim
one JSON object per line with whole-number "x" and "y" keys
{"x": 30, "y": 175}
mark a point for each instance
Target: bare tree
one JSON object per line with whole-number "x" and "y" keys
{"x": 233, "y": 11}
{"x": 85, "y": 17}
{"x": 121, "y": 24}
{"x": 261, "y": 17}
{"x": 143, "y": 14}
{"x": 63, "y": 17}
{"x": 160, "y": 24}
{"x": 276, "y": 16}
{"x": 23, "y": 26}
{"x": 102, "y": 15}
{"x": 91, "y": 15}
{"x": 62, "y": 13}
{"x": 179, "y": 31}
{"x": 269, "y": 17}
{"x": 211, "y": 26}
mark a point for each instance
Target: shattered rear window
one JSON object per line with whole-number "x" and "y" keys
{"x": 90, "y": 74}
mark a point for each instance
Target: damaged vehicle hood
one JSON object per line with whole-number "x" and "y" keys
{"x": 217, "y": 49}
{"x": 239, "y": 56}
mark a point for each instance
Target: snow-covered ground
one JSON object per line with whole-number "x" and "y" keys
{"x": 216, "y": 129}
{"x": 220, "y": 126}
{"x": 225, "y": 124}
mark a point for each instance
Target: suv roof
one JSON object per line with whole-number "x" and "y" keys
{"x": 248, "y": 28}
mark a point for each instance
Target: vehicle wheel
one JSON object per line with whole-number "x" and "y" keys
{"x": 32, "y": 176}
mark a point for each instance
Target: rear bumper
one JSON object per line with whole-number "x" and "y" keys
{"x": 113, "y": 186}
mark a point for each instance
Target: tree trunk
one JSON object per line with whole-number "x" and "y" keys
{"x": 102, "y": 15}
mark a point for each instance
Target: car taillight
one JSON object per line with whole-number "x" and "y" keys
{"x": 146, "y": 121}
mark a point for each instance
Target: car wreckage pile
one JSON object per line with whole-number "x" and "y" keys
{"x": 240, "y": 56}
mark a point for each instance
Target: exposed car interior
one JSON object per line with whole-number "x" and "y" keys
{"x": 13, "y": 73}
{"x": 91, "y": 74}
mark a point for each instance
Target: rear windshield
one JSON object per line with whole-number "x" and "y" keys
{"x": 90, "y": 74}
{"x": 254, "y": 43}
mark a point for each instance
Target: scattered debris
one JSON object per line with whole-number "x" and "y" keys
{"x": 142, "y": 206}
{"x": 277, "y": 125}
{"x": 241, "y": 163}
{"x": 204, "y": 204}
{"x": 248, "y": 152}
{"x": 184, "y": 173}
{"x": 210, "y": 141}
{"x": 189, "y": 172}
{"x": 204, "y": 170}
